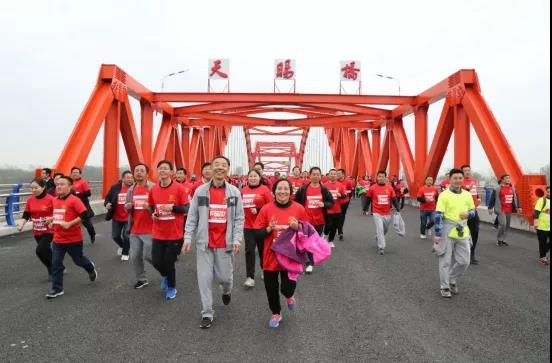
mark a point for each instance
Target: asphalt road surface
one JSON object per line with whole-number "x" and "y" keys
{"x": 359, "y": 307}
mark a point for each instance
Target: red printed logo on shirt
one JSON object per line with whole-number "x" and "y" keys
{"x": 218, "y": 213}
{"x": 39, "y": 225}
{"x": 383, "y": 199}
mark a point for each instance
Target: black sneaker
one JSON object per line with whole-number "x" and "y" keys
{"x": 474, "y": 261}
{"x": 341, "y": 237}
{"x": 206, "y": 323}
{"x": 141, "y": 284}
{"x": 226, "y": 299}
{"x": 53, "y": 294}
{"x": 93, "y": 276}
{"x": 505, "y": 244}
{"x": 499, "y": 244}
{"x": 92, "y": 239}
{"x": 454, "y": 289}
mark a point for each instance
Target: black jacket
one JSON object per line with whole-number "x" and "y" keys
{"x": 112, "y": 197}
{"x": 327, "y": 197}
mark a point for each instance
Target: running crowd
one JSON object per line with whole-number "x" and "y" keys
{"x": 290, "y": 223}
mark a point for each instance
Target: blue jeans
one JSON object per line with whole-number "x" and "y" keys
{"x": 58, "y": 253}
{"x": 119, "y": 233}
{"x": 427, "y": 221}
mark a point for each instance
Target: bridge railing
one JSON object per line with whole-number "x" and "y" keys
{"x": 13, "y": 198}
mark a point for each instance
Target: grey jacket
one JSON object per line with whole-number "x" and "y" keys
{"x": 129, "y": 198}
{"x": 197, "y": 225}
{"x": 496, "y": 203}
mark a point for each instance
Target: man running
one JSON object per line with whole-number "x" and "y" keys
{"x": 335, "y": 213}
{"x": 504, "y": 202}
{"x": 216, "y": 222}
{"x": 345, "y": 202}
{"x": 452, "y": 235}
{"x": 427, "y": 196}
{"x": 542, "y": 225}
{"x": 83, "y": 192}
{"x": 206, "y": 176}
{"x": 383, "y": 198}
{"x": 69, "y": 212}
{"x": 116, "y": 212}
{"x": 46, "y": 175}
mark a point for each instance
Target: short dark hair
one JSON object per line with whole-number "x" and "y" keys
{"x": 183, "y": 170}
{"x": 48, "y": 171}
{"x": 503, "y": 177}
{"x": 315, "y": 168}
{"x": 275, "y": 186}
{"x": 329, "y": 171}
{"x": 260, "y": 164}
{"x": 144, "y": 165}
{"x": 342, "y": 170}
{"x": 205, "y": 165}
{"x": 465, "y": 166}
{"x": 165, "y": 162}
{"x": 76, "y": 168}
{"x": 57, "y": 174}
{"x": 256, "y": 172}
{"x": 69, "y": 179}
{"x": 126, "y": 172}
{"x": 296, "y": 167}
{"x": 221, "y": 157}
{"x": 454, "y": 172}
{"x": 41, "y": 183}
{"x": 382, "y": 172}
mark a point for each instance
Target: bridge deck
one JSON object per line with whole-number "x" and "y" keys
{"x": 359, "y": 307}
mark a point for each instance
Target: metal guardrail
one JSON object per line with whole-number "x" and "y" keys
{"x": 13, "y": 198}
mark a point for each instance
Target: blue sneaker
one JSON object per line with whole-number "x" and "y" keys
{"x": 171, "y": 293}
{"x": 291, "y": 303}
{"x": 275, "y": 321}
{"x": 164, "y": 283}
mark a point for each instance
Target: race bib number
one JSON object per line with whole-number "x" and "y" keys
{"x": 218, "y": 213}
{"x": 39, "y": 225}
{"x": 140, "y": 202}
{"x": 121, "y": 198}
{"x": 509, "y": 198}
{"x": 59, "y": 216}
{"x": 164, "y": 216}
{"x": 383, "y": 199}
{"x": 249, "y": 201}
{"x": 313, "y": 202}
{"x": 429, "y": 197}
{"x": 335, "y": 194}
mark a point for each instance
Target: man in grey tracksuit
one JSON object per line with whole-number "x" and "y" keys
{"x": 215, "y": 203}
{"x": 504, "y": 193}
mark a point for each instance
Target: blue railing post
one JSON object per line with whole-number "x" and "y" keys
{"x": 12, "y": 205}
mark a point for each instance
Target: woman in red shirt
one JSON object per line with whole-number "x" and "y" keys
{"x": 255, "y": 196}
{"x": 38, "y": 208}
{"x": 272, "y": 220}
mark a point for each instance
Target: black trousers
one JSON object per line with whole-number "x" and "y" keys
{"x": 473, "y": 225}
{"x": 401, "y": 202}
{"x": 364, "y": 203}
{"x": 272, "y": 285}
{"x": 252, "y": 242}
{"x": 332, "y": 225}
{"x": 341, "y": 222}
{"x": 44, "y": 250}
{"x": 87, "y": 223}
{"x": 544, "y": 242}
{"x": 163, "y": 256}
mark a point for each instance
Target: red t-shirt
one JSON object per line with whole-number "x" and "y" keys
{"x": 280, "y": 216}
{"x": 66, "y": 210}
{"x": 470, "y": 184}
{"x": 337, "y": 190}
{"x": 315, "y": 214}
{"x": 218, "y": 217}
{"x": 188, "y": 187}
{"x": 168, "y": 226}
{"x": 40, "y": 209}
{"x": 445, "y": 184}
{"x": 80, "y": 186}
{"x": 366, "y": 184}
{"x": 382, "y": 199}
{"x": 297, "y": 183}
{"x": 120, "y": 214}
{"x": 400, "y": 189}
{"x": 254, "y": 198}
{"x": 141, "y": 217}
{"x": 507, "y": 199}
{"x": 324, "y": 180}
{"x": 196, "y": 185}
{"x": 431, "y": 194}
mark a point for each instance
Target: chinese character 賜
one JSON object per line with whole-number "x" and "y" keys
{"x": 284, "y": 70}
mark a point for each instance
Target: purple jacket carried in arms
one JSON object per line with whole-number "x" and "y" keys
{"x": 292, "y": 246}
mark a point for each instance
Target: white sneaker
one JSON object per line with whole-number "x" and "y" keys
{"x": 423, "y": 236}
{"x": 332, "y": 245}
{"x": 125, "y": 257}
{"x": 249, "y": 282}
{"x": 309, "y": 269}
{"x": 120, "y": 252}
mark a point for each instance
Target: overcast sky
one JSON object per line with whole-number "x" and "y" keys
{"x": 50, "y": 53}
